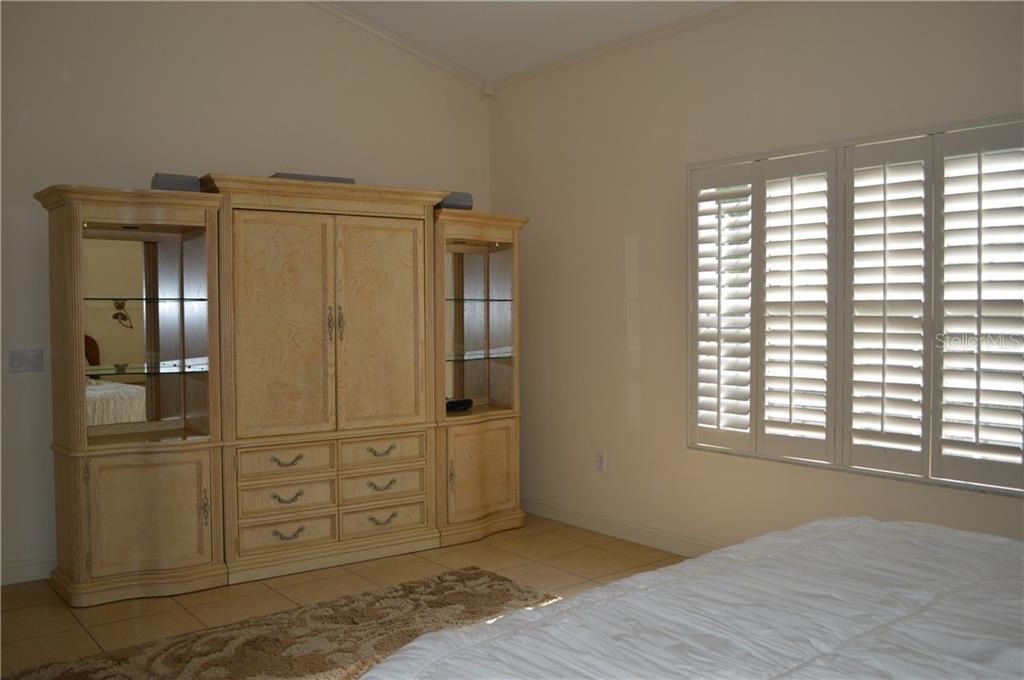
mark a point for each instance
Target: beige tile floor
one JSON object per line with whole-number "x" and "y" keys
{"x": 37, "y": 627}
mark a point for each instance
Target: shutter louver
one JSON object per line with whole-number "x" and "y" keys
{"x": 796, "y": 306}
{"x": 981, "y": 388}
{"x": 724, "y": 307}
{"x": 888, "y": 308}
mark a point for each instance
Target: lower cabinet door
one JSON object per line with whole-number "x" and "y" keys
{"x": 149, "y": 512}
{"x": 482, "y": 470}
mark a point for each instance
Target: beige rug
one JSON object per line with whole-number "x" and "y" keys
{"x": 328, "y": 640}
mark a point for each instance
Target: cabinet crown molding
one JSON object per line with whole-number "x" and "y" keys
{"x": 479, "y": 219}
{"x": 215, "y": 182}
{"x": 59, "y": 194}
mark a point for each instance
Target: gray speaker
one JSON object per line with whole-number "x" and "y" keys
{"x": 171, "y": 182}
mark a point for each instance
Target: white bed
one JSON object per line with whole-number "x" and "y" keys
{"x": 837, "y": 598}
{"x": 107, "y": 402}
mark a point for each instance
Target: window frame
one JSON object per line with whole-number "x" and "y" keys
{"x": 878, "y": 457}
{"x": 776, "y": 445}
{"x": 837, "y": 448}
{"x": 733, "y": 173}
{"x": 956, "y": 142}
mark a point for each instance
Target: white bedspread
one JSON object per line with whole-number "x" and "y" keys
{"x": 837, "y": 598}
{"x": 108, "y": 402}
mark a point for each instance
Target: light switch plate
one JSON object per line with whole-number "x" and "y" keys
{"x": 25, "y": 360}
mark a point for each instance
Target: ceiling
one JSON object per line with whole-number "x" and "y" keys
{"x": 491, "y": 41}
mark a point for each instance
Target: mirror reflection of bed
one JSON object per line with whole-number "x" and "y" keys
{"x": 108, "y": 402}
{"x": 144, "y": 324}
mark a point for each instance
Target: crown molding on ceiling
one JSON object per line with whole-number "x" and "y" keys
{"x": 400, "y": 43}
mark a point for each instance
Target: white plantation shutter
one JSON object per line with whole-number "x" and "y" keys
{"x": 799, "y": 206}
{"x": 887, "y": 323}
{"x": 980, "y": 245}
{"x": 722, "y": 379}
{"x": 863, "y": 306}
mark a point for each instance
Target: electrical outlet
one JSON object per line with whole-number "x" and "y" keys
{"x": 601, "y": 461}
{"x": 25, "y": 360}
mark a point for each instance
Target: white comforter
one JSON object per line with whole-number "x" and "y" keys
{"x": 108, "y": 402}
{"x": 838, "y": 598}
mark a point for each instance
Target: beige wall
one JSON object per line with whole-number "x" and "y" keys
{"x": 108, "y": 94}
{"x": 596, "y": 154}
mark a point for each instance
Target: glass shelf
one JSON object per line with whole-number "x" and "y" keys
{"x": 162, "y": 368}
{"x": 146, "y": 299}
{"x": 480, "y": 355}
{"x": 479, "y": 327}
{"x": 460, "y": 300}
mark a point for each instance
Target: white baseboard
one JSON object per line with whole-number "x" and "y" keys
{"x": 27, "y": 569}
{"x": 629, "y": 531}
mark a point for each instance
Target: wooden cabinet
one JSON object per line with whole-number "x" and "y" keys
{"x": 482, "y": 469}
{"x": 149, "y": 512}
{"x": 476, "y": 336}
{"x": 329, "y": 330}
{"x": 381, "y": 322}
{"x": 136, "y": 409}
{"x": 283, "y": 322}
{"x": 296, "y": 344}
{"x": 299, "y": 507}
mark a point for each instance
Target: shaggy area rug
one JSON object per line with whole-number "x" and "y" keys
{"x": 335, "y": 640}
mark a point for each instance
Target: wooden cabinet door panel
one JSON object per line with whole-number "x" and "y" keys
{"x": 482, "y": 471}
{"x": 149, "y": 512}
{"x": 381, "y": 342}
{"x": 283, "y": 323}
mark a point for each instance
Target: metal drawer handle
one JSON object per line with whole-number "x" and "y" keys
{"x": 281, "y": 463}
{"x": 380, "y": 454}
{"x": 384, "y": 523}
{"x": 298, "y": 532}
{"x": 298, "y": 494}
{"x": 386, "y": 487}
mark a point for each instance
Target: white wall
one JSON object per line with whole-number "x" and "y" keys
{"x": 108, "y": 93}
{"x": 596, "y": 155}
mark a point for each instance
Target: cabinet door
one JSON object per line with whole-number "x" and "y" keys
{"x": 381, "y": 339}
{"x": 149, "y": 512}
{"x": 482, "y": 472}
{"x": 283, "y": 323}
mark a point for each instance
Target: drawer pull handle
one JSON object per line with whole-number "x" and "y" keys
{"x": 285, "y": 501}
{"x": 280, "y": 463}
{"x": 386, "y": 487}
{"x": 380, "y": 454}
{"x": 385, "y": 522}
{"x": 292, "y": 537}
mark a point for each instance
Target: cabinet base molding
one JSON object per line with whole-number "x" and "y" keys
{"x": 291, "y": 562}
{"x": 169, "y": 582}
{"x": 474, "y": 531}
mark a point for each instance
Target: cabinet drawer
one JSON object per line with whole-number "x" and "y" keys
{"x": 285, "y": 460}
{"x": 381, "y": 485}
{"x": 383, "y": 519}
{"x": 385, "y": 450}
{"x": 288, "y": 534}
{"x": 287, "y": 497}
